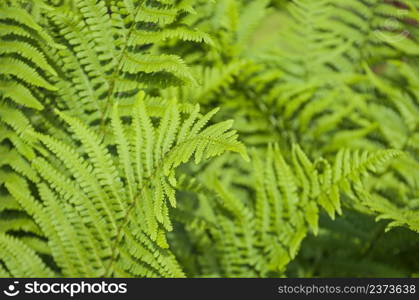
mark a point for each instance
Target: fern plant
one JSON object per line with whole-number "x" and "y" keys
{"x": 119, "y": 156}
{"x": 255, "y": 227}
{"x": 97, "y": 202}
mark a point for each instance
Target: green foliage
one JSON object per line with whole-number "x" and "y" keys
{"x": 260, "y": 237}
{"x": 118, "y": 151}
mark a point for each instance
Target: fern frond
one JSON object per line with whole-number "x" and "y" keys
{"x": 20, "y": 260}
{"x": 266, "y": 227}
{"x": 95, "y": 196}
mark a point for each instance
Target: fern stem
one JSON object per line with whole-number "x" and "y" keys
{"x": 115, "y": 74}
